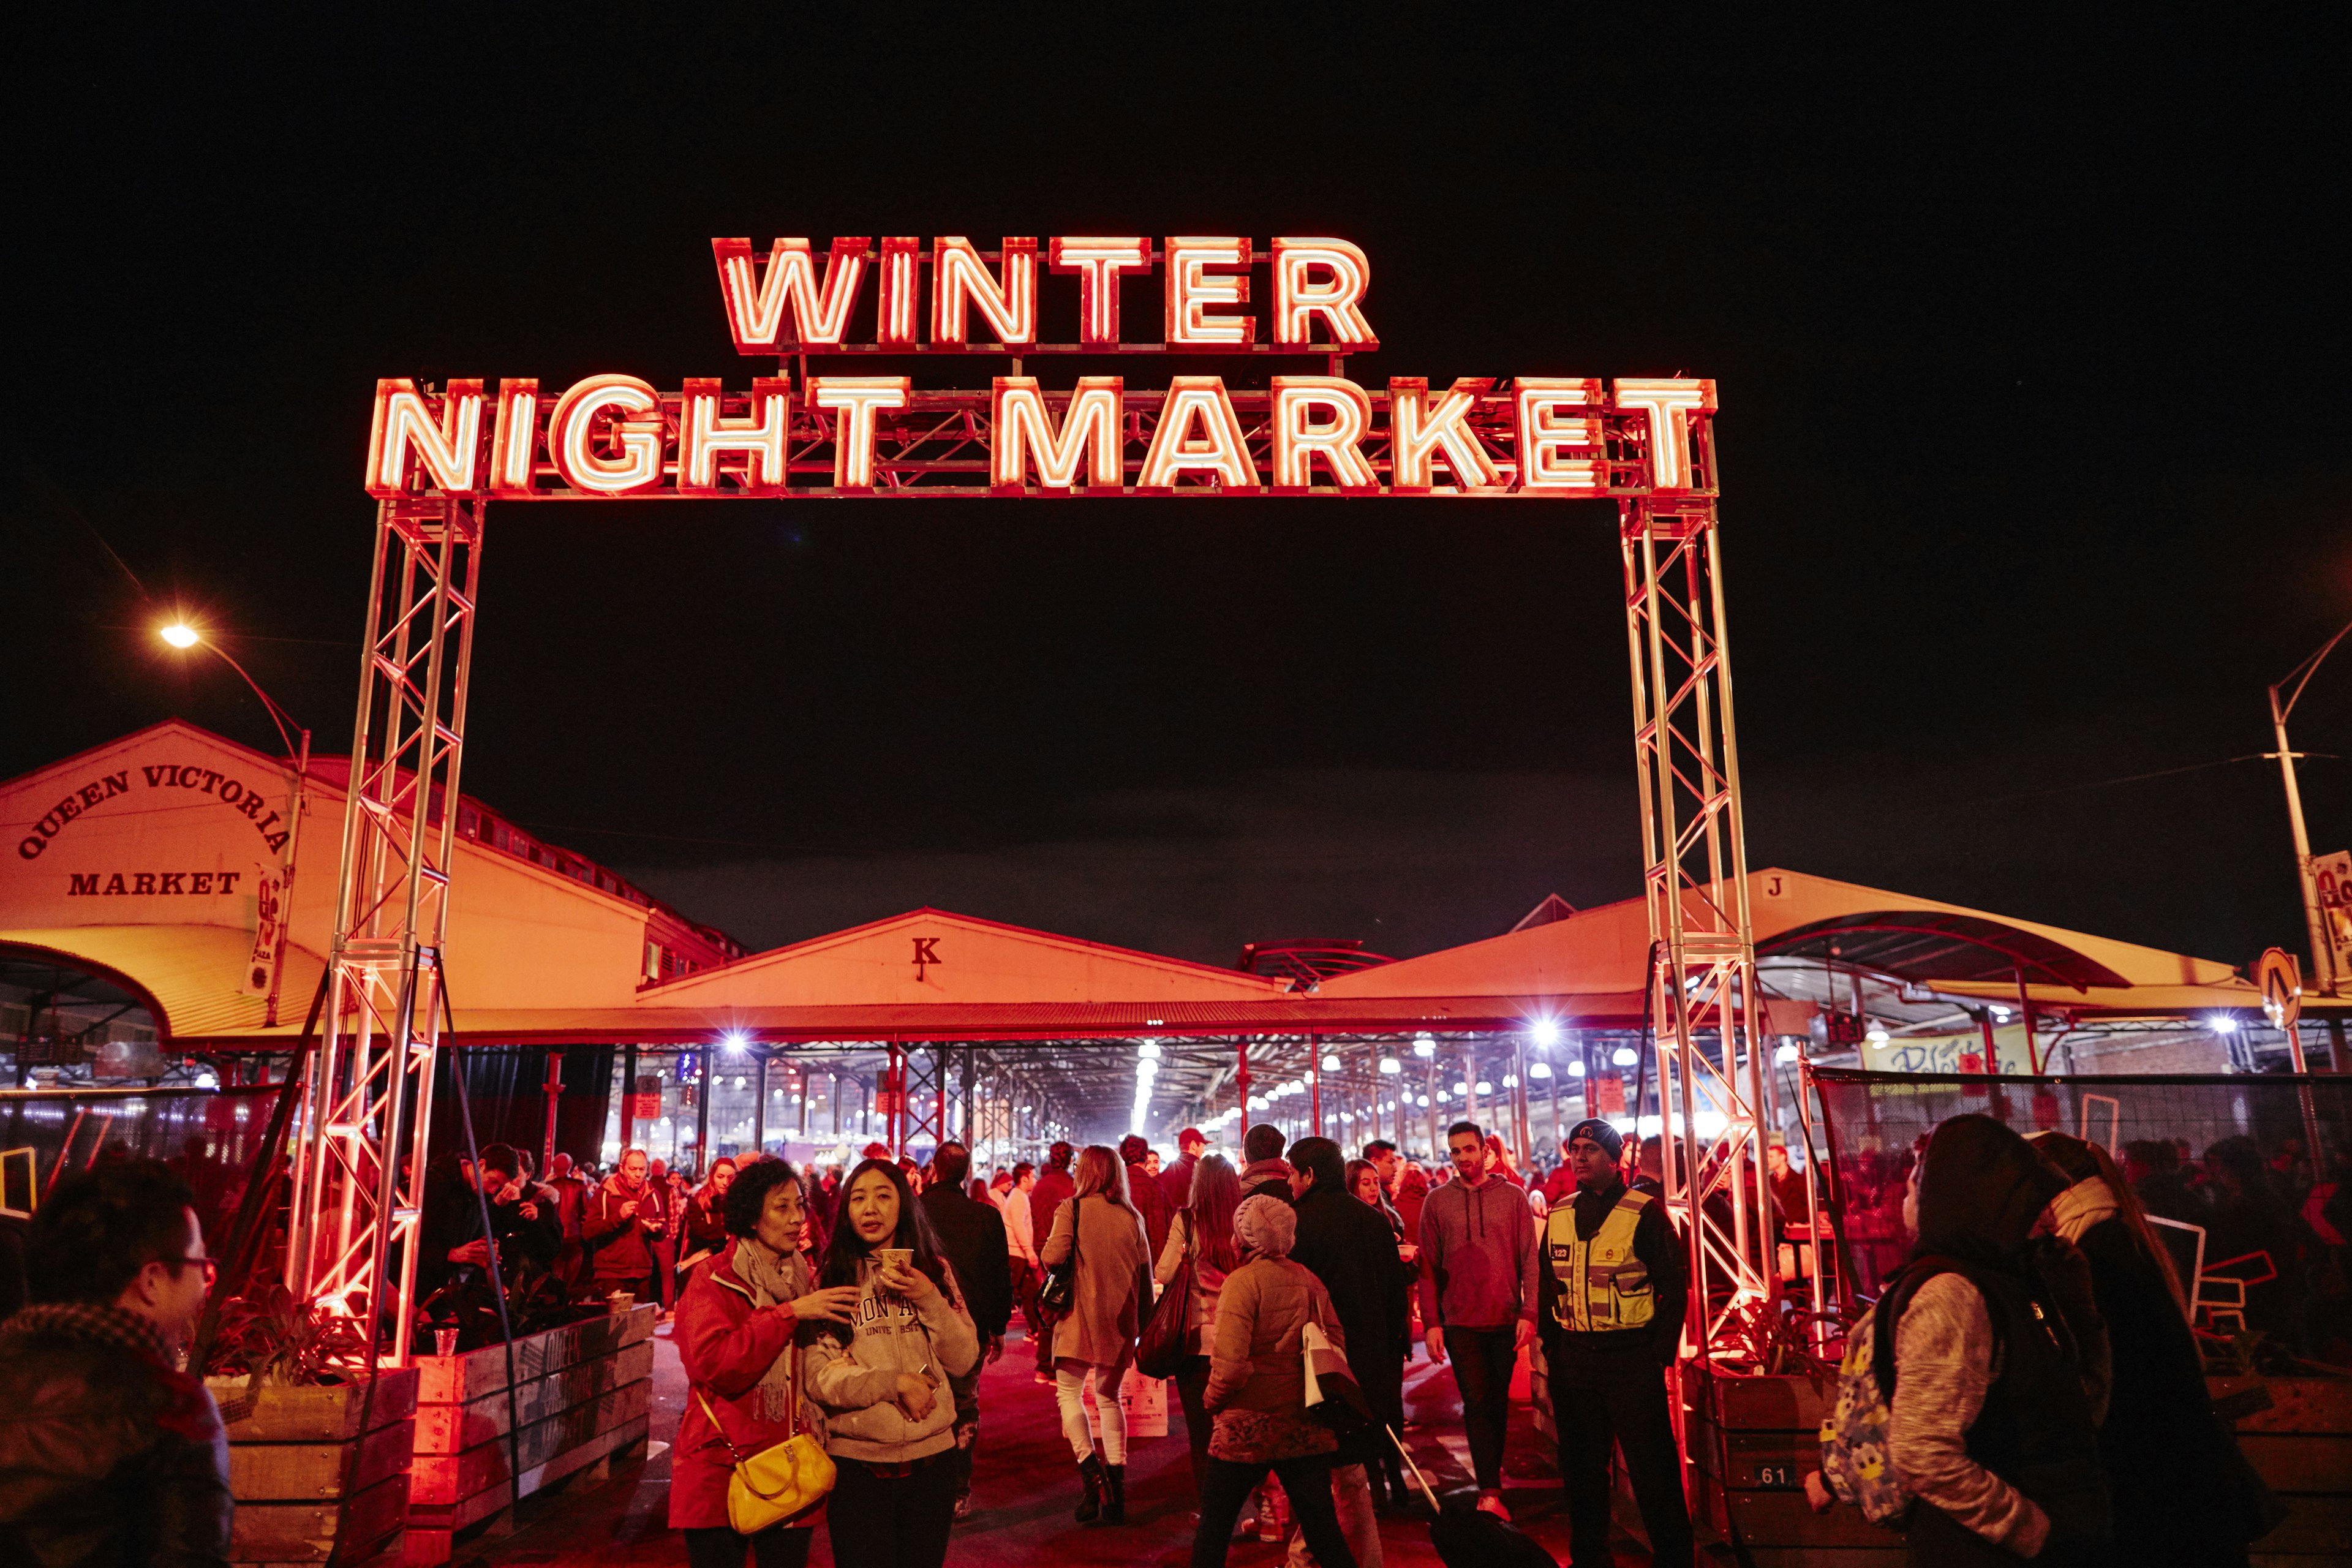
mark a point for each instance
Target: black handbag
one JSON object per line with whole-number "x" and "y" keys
{"x": 1167, "y": 1338}
{"x": 1059, "y": 1293}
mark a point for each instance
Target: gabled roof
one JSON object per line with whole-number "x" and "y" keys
{"x": 929, "y": 957}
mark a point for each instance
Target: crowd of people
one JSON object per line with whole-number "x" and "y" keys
{"x": 2044, "y": 1394}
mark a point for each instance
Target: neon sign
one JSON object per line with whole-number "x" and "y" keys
{"x": 808, "y": 432}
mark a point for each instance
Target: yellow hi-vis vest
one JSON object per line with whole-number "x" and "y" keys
{"x": 1602, "y": 1286}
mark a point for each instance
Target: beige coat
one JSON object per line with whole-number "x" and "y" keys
{"x": 1200, "y": 1338}
{"x": 1113, "y": 1260}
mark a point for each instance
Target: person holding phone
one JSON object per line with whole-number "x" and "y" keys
{"x": 882, "y": 1378}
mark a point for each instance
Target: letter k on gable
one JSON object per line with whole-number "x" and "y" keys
{"x": 927, "y": 953}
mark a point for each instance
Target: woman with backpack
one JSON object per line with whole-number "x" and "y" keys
{"x": 2170, "y": 1461}
{"x": 1098, "y": 1232}
{"x": 882, "y": 1377}
{"x": 1993, "y": 1361}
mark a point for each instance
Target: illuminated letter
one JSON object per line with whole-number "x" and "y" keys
{"x": 1298, "y": 440}
{"x": 958, "y": 278}
{"x": 514, "y": 436}
{"x": 1020, "y": 422}
{"x": 572, "y": 425}
{"x": 1098, "y": 262}
{"x": 895, "y": 320}
{"x": 1544, "y": 435}
{"x": 702, "y": 434}
{"x": 404, "y": 423}
{"x": 856, "y": 397}
{"x": 1418, "y": 433}
{"x": 1221, "y": 448}
{"x": 756, "y": 315}
{"x": 1669, "y": 404}
{"x": 1191, "y": 289}
{"x": 1296, "y": 300}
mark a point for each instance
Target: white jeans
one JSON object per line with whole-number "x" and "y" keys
{"x": 1069, "y": 1377}
{"x": 1352, "y": 1499}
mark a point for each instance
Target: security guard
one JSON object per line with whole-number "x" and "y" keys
{"x": 1611, "y": 1318}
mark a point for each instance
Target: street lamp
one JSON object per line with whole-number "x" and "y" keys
{"x": 2323, "y": 946}
{"x": 182, "y": 636}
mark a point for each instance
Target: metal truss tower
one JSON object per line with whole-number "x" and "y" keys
{"x": 1694, "y": 846}
{"x": 367, "y": 1098}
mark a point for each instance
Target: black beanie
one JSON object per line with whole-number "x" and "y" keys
{"x": 1600, "y": 1133}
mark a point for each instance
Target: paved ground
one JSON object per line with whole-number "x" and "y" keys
{"x": 1025, "y": 1487}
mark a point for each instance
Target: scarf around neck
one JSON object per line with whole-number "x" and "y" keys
{"x": 2081, "y": 1207}
{"x": 95, "y": 1323}
{"x": 774, "y": 1279}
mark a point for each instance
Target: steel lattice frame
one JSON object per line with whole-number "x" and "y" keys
{"x": 1703, "y": 963}
{"x": 368, "y": 1095}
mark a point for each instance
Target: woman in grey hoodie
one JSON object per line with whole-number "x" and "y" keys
{"x": 882, "y": 1378}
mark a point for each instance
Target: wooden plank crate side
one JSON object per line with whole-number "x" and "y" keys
{"x": 431, "y": 1529}
{"x": 296, "y": 1472}
{"x": 2307, "y": 1404}
{"x": 444, "y": 1479}
{"x": 1782, "y": 1519}
{"x": 326, "y": 1415}
{"x": 305, "y": 1532}
{"x": 460, "y": 1379}
{"x": 451, "y": 1428}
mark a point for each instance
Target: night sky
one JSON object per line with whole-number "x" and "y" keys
{"x": 2032, "y": 344}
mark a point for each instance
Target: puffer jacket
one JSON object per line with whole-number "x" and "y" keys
{"x": 1258, "y": 1361}
{"x": 107, "y": 1454}
{"x": 857, "y": 1384}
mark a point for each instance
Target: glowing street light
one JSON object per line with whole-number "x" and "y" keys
{"x": 182, "y": 636}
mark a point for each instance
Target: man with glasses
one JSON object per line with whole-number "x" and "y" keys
{"x": 108, "y": 1452}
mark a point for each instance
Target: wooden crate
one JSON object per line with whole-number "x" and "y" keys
{"x": 301, "y": 1452}
{"x": 1752, "y": 1441}
{"x": 580, "y": 1393}
{"x": 2303, "y": 1446}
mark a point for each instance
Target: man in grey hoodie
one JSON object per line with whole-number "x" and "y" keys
{"x": 1479, "y": 1279}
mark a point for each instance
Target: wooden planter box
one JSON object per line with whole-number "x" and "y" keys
{"x": 294, "y": 1460}
{"x": 1752, "y": 1439}
{"x": 2303, "y": 1446}
{"x": 581, "y": 1394}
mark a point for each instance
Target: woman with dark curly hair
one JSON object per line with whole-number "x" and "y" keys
{"x": 736, "y": 1326}
{"x": 881, "y": 1376}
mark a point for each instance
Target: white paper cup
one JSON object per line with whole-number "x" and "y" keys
{"x": 902, "y": 1255}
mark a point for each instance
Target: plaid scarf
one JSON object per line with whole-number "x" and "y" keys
{"x": 93, "y": 1322}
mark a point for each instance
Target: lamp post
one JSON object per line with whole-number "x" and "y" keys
{"x": 181, "y": 636}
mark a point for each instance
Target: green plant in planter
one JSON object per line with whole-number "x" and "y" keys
{"x": 1767, "y": 1338}
{"x": 275, "y": 1338}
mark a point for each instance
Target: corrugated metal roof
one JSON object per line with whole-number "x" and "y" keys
{"x": 189, "y": 974}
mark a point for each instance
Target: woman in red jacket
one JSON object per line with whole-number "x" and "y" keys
{"x": 734, "y": 1337}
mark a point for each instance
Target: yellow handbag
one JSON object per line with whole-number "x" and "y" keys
{"x": 779, "y": 1483}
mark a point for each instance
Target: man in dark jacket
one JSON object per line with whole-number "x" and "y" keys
{"x": 109, "y": 1454}
{"x": 522, "y": 1217}
{"x": 1612, "y": 1296}
{"x": 1264, "y": 1170}
{"x": 1143, "y": 1191}
{"x": 1054, "y": 1187}
{"x": 1176, "y": 1180}
{"x": 1348, "y": 1244}
{"x": 971, "y": 1238}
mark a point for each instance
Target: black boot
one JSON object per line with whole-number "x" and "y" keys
{"x": 1090, "y": 1475}
{"x": 1115, "y": 1505}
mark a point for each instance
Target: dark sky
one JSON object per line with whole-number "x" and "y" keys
{"x": 2032, "y": 344}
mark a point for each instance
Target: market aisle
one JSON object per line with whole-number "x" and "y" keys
{"x": 1026, "y": 1488}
